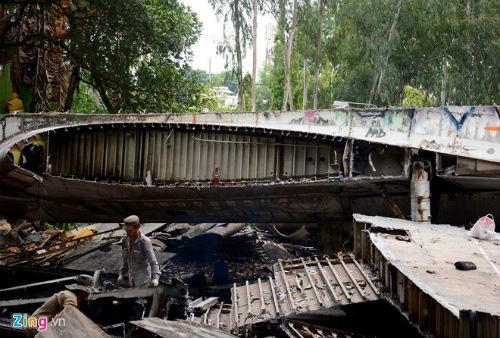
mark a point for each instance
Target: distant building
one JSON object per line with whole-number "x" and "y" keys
{"x": 270, "y": 32}
{"x": 226, "y": 97}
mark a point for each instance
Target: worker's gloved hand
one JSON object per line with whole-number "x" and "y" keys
{"x": 154, "y": 282}
{"x": 122, "y": 281}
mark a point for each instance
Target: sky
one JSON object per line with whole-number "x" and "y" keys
{"x": 205, "y": 50}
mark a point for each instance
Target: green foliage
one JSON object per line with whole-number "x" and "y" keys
{"x": 5, "y": 88}
{"x": 425, "y": 33}
{"x": 145, "y": 68}
{"x": 356, "y": 50}
{"x": 87, "y": 101}
{"x": 413, "y": 97}
{"x": 66, "y": 226}
{"x": 263, "y": 98}
{"x": 226, "y": 78}
{"x": 60, "y": 226}
{"x": 208, "y": 100}
{"x": 277, "y": 78}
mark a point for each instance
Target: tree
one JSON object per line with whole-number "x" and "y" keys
{"x": 433, "y": 46}
{"x": 263, "y": 89}
{"x": 235, "y": 13}
{"x": 288, "y": 97}
{"x": 133, "y": 53}
{"x": 317, "y": 51}
{"x": 255, "y": 12}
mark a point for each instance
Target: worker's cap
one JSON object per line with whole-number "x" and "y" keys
{"x": 5, "y": 227}
{"x": 83, "y": 283}
{"x": 130, "y": 222}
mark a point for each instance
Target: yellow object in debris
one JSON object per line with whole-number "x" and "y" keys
{"x": 83, "y": 232}
{"x": 69, "y": 234}
{"x": 15, "y": 104}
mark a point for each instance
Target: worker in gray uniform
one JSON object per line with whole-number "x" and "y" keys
{"x": 139, "y": 267}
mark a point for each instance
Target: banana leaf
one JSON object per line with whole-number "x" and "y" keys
{"x": 5, "y": 88}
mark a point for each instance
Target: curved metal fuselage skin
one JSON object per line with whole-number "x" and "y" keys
{"x": 280, "y": 167}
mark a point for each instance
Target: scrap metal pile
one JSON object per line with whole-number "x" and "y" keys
{"x": 298, "y": 287}
{"x": 30, "y": 243}
{"x": 243, "y": 279}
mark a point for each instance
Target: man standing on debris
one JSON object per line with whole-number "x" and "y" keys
{"x": 139, "y": 261}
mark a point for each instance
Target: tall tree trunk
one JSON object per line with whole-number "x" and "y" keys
{"x": 239, "y": 66}
{"x": 254, "y": 56}
{"x": 288, "y": 60}
{"x": 304, "y": 93}
{"x": 317, "y": 55}
{"x": 377, "y": 85}
{"x": 468, "y": 7}
{"x": 443, "y": 83}
{"x": 73, "y": 83}
{"x": 426, "y": 96}
{"x": 282, "y": 24}
{"x": 471, "y": 56}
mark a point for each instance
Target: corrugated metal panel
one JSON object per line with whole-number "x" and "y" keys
{"x": 178, "y": 155}
{"x": 303, "y": 158}
{"x": 169, "y": 155}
